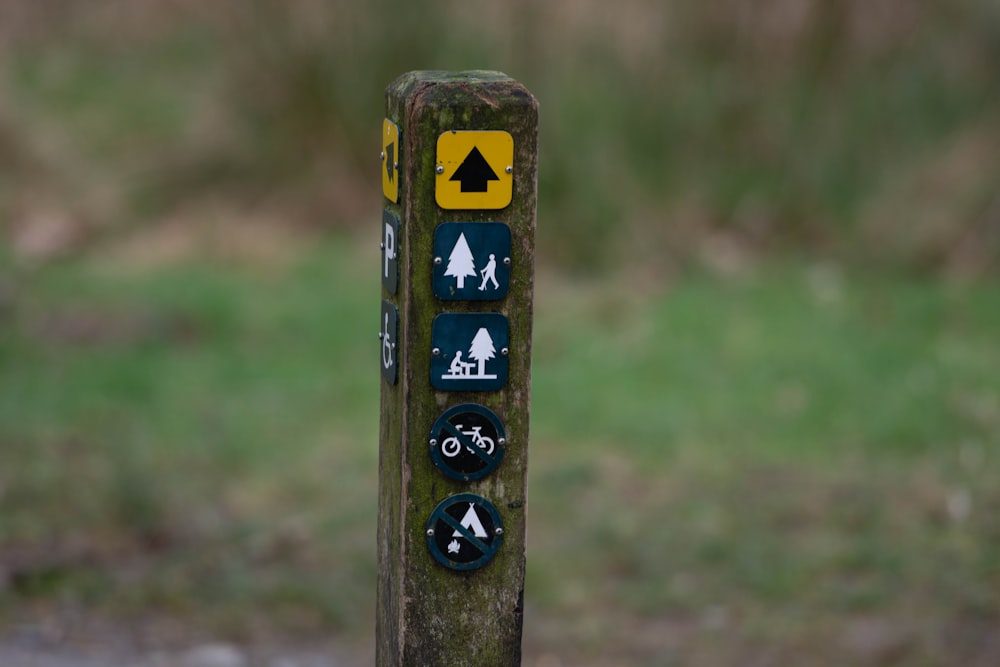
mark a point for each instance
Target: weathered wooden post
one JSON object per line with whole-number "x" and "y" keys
{"x": 459, "y": 172}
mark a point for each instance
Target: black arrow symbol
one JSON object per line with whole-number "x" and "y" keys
{"x": 474, "y": 173}
{"x": 390, "y": 159}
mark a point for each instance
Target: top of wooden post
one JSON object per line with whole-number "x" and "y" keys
{"x": 443, "y": 88}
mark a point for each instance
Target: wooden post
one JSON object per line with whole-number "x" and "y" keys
{"x": 459, "y": 173}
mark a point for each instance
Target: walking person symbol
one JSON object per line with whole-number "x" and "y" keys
{"x": 490, "y": 274}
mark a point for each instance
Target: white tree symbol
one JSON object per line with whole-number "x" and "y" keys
{"x": 482, "y": 350}
{"x": 461, "y": 262}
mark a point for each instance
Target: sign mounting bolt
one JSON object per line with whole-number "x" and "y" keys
{"x": 505, "y": 351}
{"x": 498, "y": 531}
{"x": 433, "y": 442}
{"x": 440, "y": 169}
{"x": 437, "y": 261}
{"x": 506, "y": 261}
{"x": 381, "y": 155}
{"x": 430, "y": 532}
{"x": 509, "y": 169}
{"x": 436, "y": 351}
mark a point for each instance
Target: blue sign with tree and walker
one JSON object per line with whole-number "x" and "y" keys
{"x": 471, "y": 261}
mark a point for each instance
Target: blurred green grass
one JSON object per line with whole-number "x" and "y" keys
{"x": 185, "y": 416}
{"x": 784, "y": 356}
{"x": 774, "y": 459}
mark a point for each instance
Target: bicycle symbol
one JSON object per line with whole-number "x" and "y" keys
{"x": 452, "y": 446}
{"x": 467, "y": 442}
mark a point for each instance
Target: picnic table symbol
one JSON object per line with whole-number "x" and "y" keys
{"x": 481, "y": 350}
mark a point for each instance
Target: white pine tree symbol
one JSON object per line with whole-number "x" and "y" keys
{"x": 460, "y": 262}
{"x": 482, "y": 349}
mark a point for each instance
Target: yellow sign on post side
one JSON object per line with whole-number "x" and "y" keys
{"x": 390, "y": 160}
{"x": 475, "y": 169}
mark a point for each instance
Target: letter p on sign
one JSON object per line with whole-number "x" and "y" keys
{"x": 390, "y": 263}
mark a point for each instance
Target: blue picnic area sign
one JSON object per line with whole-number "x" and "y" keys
{"x": 469, "y": 351}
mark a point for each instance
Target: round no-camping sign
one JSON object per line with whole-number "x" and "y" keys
{"x": 464, "y": 532}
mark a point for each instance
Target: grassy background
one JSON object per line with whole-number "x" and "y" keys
{"x": 798, "y": 465}
{"x": 766, "y": 394}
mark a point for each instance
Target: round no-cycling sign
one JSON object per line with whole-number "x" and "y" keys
{"x": 467, "y": 442}
{"x": 464, "y": 532}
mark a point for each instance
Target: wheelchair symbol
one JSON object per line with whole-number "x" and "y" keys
{"x": 387, "y": 345}
{"x": 388, "y": 334}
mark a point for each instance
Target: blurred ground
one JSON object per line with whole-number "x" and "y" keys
{"x": 207, "y": 655}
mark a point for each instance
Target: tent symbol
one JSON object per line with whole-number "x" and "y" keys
{"x": 471, "y": 523}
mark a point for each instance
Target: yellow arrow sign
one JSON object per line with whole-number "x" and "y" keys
{"x": 475, "y": 169}
{"x": 390, "y": 160}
